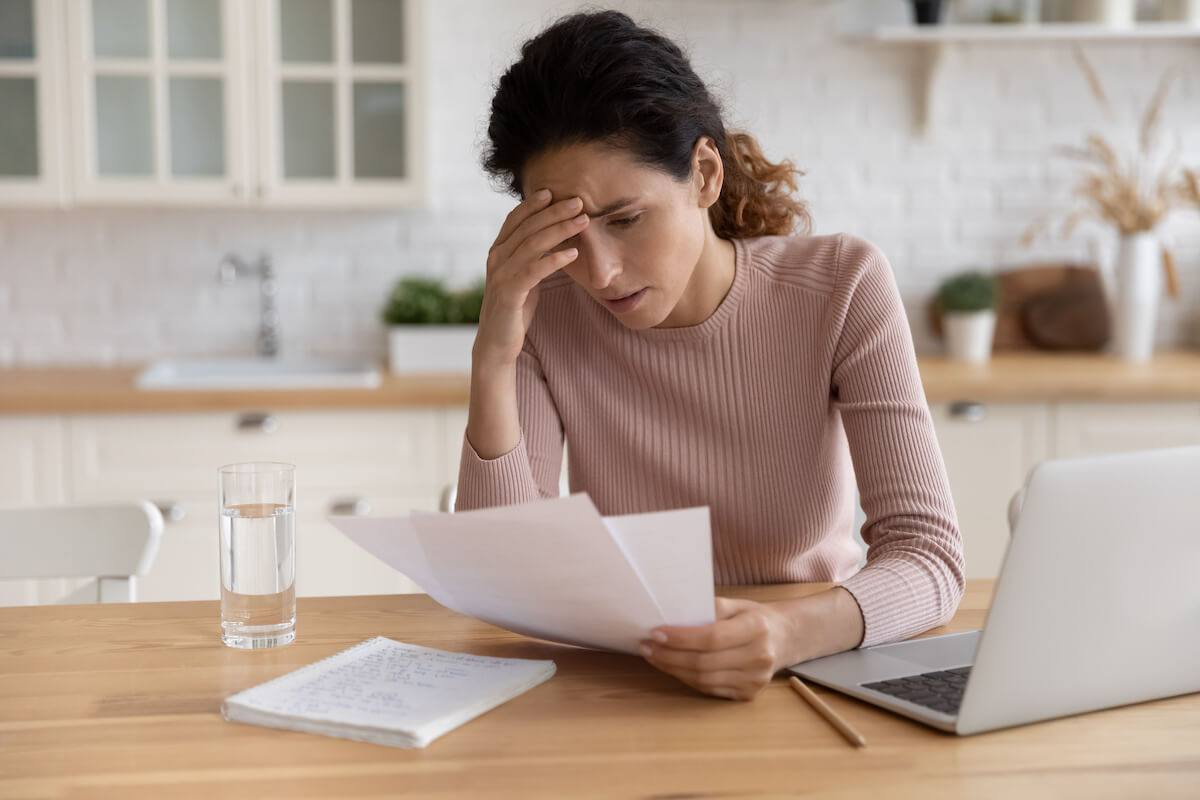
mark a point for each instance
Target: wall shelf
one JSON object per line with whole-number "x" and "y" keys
{"x": 933, "y": 41}
{"x": 1045, "y": 31}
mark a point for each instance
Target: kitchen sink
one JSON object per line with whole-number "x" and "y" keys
{"x": 257, "y": 373}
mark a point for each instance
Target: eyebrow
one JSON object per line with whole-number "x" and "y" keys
{"x": 612, "y": 207}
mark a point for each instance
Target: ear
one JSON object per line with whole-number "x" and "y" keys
{"x": 708, "y": 171}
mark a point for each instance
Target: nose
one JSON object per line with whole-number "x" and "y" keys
{"x": 599, "y": 258}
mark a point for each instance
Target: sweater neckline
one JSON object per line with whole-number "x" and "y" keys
{"x": 724, "y": 311}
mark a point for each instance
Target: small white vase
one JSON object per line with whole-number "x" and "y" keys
{"x": 1136, "y": 292}
{"x": 1117, "y": 13}
{"x": 969, "y": 335}
{"x": 1180, "y": 11}
{"x": 430, "y": 349}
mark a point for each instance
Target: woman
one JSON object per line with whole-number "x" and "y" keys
{"x": 646, "y": 302}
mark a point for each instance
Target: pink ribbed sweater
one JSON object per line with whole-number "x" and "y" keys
{"x": 803, "y": 378}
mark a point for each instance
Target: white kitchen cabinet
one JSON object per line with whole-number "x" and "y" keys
{"x": 31, "y": 453}
{"x": 989, "y": 450}
{"x": 158, "y": 93}
{"x": 381, "y": 462}
{"x": 1084, "y": 429}
{"x": 32, "y": 101}
{"x": 267, "y": 103}
{"x": 340, "y": 102}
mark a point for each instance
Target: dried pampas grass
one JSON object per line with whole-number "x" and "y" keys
{"x": 1132, "y": 196}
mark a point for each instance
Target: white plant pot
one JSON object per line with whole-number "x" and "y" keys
{"x": 969, "y": 335}
{"x": 1136, "y": 292}
{"x": 1181, "y": 11}
{"x": 430, "y": 349}
{"x": 1117, "y": 13}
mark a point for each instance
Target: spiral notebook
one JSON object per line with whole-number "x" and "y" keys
{"x": 387, "y": 692}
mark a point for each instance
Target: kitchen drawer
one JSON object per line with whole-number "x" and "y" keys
{"x": 187, "y": 566}
{"x": 123, "y": 456}
{"x": 1084, "y": 429}
{"x": 327, "y": 563}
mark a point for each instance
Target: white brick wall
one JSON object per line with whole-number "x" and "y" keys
{"x": 105, "y": 286}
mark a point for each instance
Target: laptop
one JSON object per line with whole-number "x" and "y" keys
{"x": 1097, "y": 605}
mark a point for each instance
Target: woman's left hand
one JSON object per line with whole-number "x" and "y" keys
{"x": 734, "y": 657}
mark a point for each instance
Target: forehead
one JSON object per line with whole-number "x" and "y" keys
{"x": 593, "y": 172}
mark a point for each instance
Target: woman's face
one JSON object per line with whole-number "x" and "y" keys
{"x": 638, "y": 253}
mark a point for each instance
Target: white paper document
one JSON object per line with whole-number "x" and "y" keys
{"x": 555, "y": 569}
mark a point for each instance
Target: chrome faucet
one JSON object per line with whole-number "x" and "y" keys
{"x": 231, "y": 268}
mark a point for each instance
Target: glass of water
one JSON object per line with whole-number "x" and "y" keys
{"x": 258, "y": 554}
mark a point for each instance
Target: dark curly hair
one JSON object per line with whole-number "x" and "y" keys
{"x": 600, "y": 77}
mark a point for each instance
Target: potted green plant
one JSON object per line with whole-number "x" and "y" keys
{"x": 968, "y": 302}
{"x": 431, "y": 329}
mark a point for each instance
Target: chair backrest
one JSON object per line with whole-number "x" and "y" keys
{"x": 111, "y": 543}
{"x": 1014, "y": 509}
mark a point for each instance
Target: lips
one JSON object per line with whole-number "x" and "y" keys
{"x": 625, "y": 303}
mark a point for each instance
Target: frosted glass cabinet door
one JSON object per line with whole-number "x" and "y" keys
{"x": 309, "y": 117}
{"x": 163, "y": 96}
{"x": 29, "y": 121}
{"x": 124, "y": 127}
{"x": 345, "y": 97}
{"x": 19, "y": 128}
{"x": 379, "y": 130}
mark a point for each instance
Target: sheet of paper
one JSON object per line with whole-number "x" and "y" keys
{"x": 393, "y": 540}
{"x": 555, "y": 569}
{"x": 672, "y": 551}
{"x": 551, "y": 568}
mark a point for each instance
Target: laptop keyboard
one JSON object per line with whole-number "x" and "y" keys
{"x": 941, "y": 690}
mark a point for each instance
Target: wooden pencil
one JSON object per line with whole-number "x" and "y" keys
{"x": 854, "y": 737}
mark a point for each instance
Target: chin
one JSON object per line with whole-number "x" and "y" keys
{"x": 640, "y": 319}
{"x": 639, "y": 322}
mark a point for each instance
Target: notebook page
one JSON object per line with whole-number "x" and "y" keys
{"x": 389, "y": 685}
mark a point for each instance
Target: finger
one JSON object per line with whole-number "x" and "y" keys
{"x": 734, "y": 631}
{"x": 522, "y": 211}
{"x": 563, "y": 210}
{"x": 551, "y": 263}
{"x": 539, "y": 205}
{"x": 755, "y": 656}
{"x": 549, "y": 239}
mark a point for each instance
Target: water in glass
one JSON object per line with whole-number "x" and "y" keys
{"x": 258, "y": 574}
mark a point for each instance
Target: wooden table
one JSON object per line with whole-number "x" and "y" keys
{"x": 122, "y": 701}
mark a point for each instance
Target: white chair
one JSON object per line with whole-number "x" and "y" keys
{"x": 1014, "y": 509}
{"x": 110, "y": 543}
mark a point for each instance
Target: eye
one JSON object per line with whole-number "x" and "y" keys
{"x": 625, "y": 222}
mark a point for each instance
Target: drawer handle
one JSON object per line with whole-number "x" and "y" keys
{"x": 968, "y": 411}
{"x": 258, "y": 421}
{"x": 350, "y": 506}
{"x": 170, "y": 510}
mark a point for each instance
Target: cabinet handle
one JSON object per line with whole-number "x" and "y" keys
{"x": 171, "y": 511}
{"x": 967, "y": 411}
{"x": 258, "y": 421}
{"x": 350, "y": 506}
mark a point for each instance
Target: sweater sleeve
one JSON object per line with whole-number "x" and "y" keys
{"x": 530, "y": 470}
{"x": 913, "y": 579}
